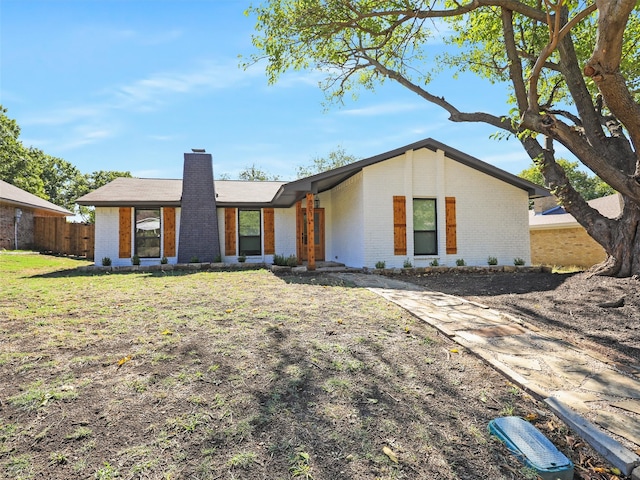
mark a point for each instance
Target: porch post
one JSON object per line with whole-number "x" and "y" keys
{"x": 311, "y": 244}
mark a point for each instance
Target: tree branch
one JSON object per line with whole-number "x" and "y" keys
{"x": 455, "y": 115}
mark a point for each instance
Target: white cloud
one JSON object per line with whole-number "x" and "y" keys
{"x": 383, "y": 109}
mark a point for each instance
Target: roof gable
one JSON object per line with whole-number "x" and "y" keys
{"x": 294, "y": 191}
{"x": 140, "y": 192}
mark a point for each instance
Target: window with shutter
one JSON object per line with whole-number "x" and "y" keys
{"x": 425, "y": 232}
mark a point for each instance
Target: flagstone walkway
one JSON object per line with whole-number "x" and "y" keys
{"x": 581, "y": 387}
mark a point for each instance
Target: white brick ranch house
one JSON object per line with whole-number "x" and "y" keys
{"x": 418, "y": 203}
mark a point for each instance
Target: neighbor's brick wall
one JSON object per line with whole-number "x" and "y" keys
{"x": 565, "y": 247}
{"x": 7, "y": 232}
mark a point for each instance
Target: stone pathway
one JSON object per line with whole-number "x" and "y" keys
{"x": 581, "y": 387}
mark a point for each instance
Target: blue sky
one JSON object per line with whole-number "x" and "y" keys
{"x": 133, "y": 84}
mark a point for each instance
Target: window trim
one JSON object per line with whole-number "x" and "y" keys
{"x": 434, "y": 230}
{"x": 250, "y": 253}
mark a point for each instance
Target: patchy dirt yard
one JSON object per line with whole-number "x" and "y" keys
{"x": 244, "y": 375}
{"x": 601, "y": 313}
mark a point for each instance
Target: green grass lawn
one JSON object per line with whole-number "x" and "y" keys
{"x": 207, "y": 375}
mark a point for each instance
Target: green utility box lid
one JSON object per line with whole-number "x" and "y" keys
{"x": 532, "y": 448}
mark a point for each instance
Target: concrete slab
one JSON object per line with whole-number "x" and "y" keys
{"x": 628, "y": 405}
{"x": 498, "y": 331}
{"x": 622, "y": 425}
{"x": 520, "y": 361}
{"x": 576, "y": 400}
{"x": 609, "y": 382}
{"x": 575, "y": 374}
{"x": 547, "y": 382}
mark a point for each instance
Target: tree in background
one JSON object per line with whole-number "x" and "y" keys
{"x": 589, "y": 186}
{"x": 571, "y": 72}
{"x": 16, "y": 166}
{"x": 336, "y": 158}
{"x": 51, "y": 178}
{"x": 256, "y": 174}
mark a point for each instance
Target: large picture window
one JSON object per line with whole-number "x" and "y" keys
{"x": 147, "y": 232}
{"x": 425, "y": 238}
{"x": 249, "y": 241}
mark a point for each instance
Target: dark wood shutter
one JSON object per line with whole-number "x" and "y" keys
{"x": 169, "y": 220}
{"x": 229, "y": 231}
{"x": 269, "y": 231}
{"x": 399, "y": 225}
{"x": 450, "y": 220}
{"x": 124, "y": 233}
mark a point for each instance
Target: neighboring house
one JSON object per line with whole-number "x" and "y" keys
{"x": 17, "y": 211}
{"x": 419, "y": 203}
{"x": 558, "y": 239}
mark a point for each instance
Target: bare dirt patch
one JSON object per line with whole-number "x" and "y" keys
{"x": 242, "y": 375}
{"x": 600, "y": 313}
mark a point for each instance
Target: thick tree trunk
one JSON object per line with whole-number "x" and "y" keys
{"x": 623, "y": 245}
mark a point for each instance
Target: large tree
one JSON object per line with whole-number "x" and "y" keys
{"x": 48, "y": 177}
{"x": 571, "y": 68}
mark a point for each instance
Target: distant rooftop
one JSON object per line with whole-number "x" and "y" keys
{"x": 556, "y": 217}
{"x": 19, "y": 198}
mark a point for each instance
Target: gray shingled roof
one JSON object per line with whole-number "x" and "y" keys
{"x": 135, "y": 191}
{"x": 18, "y": 197}
{"x": 155, "y": 191}
{"x": 609, "y": 206}
{"x": 141, "y": 192}
{"x": 294, "y": 191}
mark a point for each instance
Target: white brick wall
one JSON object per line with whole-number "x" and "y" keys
{"x": 345, "y": 240}
{"x": 285, "y": 235}
{"x": 492, "y": 217}
{"x": 107, "y": 239}
{"x": 285, "y": 226}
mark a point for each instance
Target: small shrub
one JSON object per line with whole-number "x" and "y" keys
{"x": 242, "y": 258}
{"x": 292, "y": 261}
{"x": 282, "y": 261}
{"x": 381, "y": 264}
{"x": 518, "y": 261}
{"x": 407, "y": 264}
{"x": 460, "y": 262}
{"x": 217, "y": 259}
{"x": 106, "y": 262}
{"x": 434, "y": 263}
{"x": 194, "y": 259}
{"x": 135, "y": 260}
{"x": 492, "y": 261}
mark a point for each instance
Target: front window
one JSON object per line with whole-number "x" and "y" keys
{"x": 147, "y": 232}
{"x": 425, "y": 238}
{"x": 249, "y": 232}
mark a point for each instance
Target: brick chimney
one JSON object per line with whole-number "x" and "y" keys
{"x": 198, "y": 218}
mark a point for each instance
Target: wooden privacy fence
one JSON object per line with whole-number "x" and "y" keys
{"x": 55, "y": 234}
